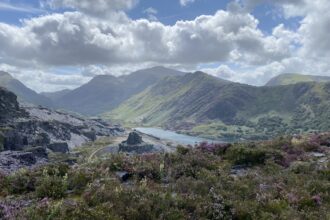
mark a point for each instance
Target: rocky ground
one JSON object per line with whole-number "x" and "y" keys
{"x": 28, "y": 133}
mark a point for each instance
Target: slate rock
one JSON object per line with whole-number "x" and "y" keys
{"x": 59, "y": 147}
{"x": 134, "y": 138}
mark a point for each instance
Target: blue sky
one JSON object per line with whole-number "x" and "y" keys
{"x": 168, "y": 12}
{"x": 57, "y": 44}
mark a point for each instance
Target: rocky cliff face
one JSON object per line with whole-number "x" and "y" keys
{"x": 8, "y": 105}
{"x": 37, "y": 130}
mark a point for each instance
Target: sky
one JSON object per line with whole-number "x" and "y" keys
{"x": 57, "y": 44}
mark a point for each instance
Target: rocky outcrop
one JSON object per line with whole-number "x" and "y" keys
{"x": 8, "y": 105}
{"x": 11, "y": 161}
{"x": 51, "y": 129}
{"x": 28, "y": 133}
{"x": 135, "y": 145}
{"x": 134, "y": 139}
{"x": 59, "y": 147}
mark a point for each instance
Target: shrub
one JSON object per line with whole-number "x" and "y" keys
{"x": 247, "y": 156}
{"x": 52, "y": 186}
{"x": 215, "y": 148}
{"x": 182, "y": 150}
{"x": 79, "y": 178}
{"x": 21, "y": 182}
{"x": 3, "y": 184}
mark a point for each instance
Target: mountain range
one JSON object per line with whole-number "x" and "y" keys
{"x": 200, "y": 104}
{"x": 106, "y": 92}
{"x": 196, "y": 103}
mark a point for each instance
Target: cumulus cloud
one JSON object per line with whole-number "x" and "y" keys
{"x": 72, "y": 38}
{"x": 119, "y": 44}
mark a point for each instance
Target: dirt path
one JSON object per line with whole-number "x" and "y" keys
{"x": 115, "y": 140}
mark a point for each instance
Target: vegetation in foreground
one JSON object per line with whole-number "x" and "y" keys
{"x": 287, "y": 178}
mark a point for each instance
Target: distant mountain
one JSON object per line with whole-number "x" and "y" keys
{"x": 25, "y": 95}
{"x": 54, "y": 96}
{"x": 292, "y": 78}
{"x": 204, "y": 105}
{"x": 106, "y": 92}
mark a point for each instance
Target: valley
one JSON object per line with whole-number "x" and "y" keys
{"x": 172, "y": 148}
{"x": 196, "y": 104}
{"x": 164, "y": 110}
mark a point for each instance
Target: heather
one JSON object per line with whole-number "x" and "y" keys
{"x": 286, "y": 178}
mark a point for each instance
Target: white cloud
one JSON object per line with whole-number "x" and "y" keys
{"x": 73, "y": 38}
{"x": 186, "y": 2}
{"x": 151, "y": 14}
{"x": 5, "y": 6}
{"x": 117, "y": 44}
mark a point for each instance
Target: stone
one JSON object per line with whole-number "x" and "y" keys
{"x": 11, "y": 161}
{"x": 59, "y": 147}
{"x": 2, "y": 139}
{"x": 123, "y": 176}
{"x": 15, "y": 141}
{"x": 137, "y": 149}
{"x": 91, "y": 135}
{"x": 38, "y": 151}
{"x": 135, "y": 145}
{"x": 134, "y": 138}
{"x": 26, "y": 158}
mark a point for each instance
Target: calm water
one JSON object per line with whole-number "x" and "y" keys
{"x": 173, "y": 136}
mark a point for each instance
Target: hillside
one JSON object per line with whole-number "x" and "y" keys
{"x": 287, "y": 178}
{"x": 24, "y": 94}
{"x": 200, "y": 104}
{"x": 291, "y": 78}
{"x": 104, "y": 93}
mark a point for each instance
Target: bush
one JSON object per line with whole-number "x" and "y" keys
{"x": 21, "y": 182}
{"x": 52, "y": 186}
{"x": 182, "y": 150}
{"x": 78, "y": 179}
{"x": 247, "y": 156}
{"x": 3, "y": 184}
{"x": 215, "y": 148}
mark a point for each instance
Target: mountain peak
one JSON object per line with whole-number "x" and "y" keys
{"x": 5, "y": 75}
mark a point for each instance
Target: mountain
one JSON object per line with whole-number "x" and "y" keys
{"x": 104, "y": 93}
{"x": 200, "y": 104}
{"x": 54, "y": 96}
{"x": 24, "y": 94}
{"x": 292, "y": 78}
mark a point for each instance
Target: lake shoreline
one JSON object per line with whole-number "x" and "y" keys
{"x": 173, "y": 136}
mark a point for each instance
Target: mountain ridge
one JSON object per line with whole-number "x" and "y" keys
{"x": 188, "y": 102}
{"x": 24, "y": 93}
{"x": 293, "y": 78}
{"x": 106, "y": 92}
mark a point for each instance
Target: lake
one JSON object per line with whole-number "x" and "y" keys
{"x": 175, "y": 137}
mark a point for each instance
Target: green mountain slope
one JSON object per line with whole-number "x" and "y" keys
{"x": 204, "y": 105}
{"x": 24, "y": 93}
{"x": 291, "y": 78}
{"x": 104, "y": 93}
